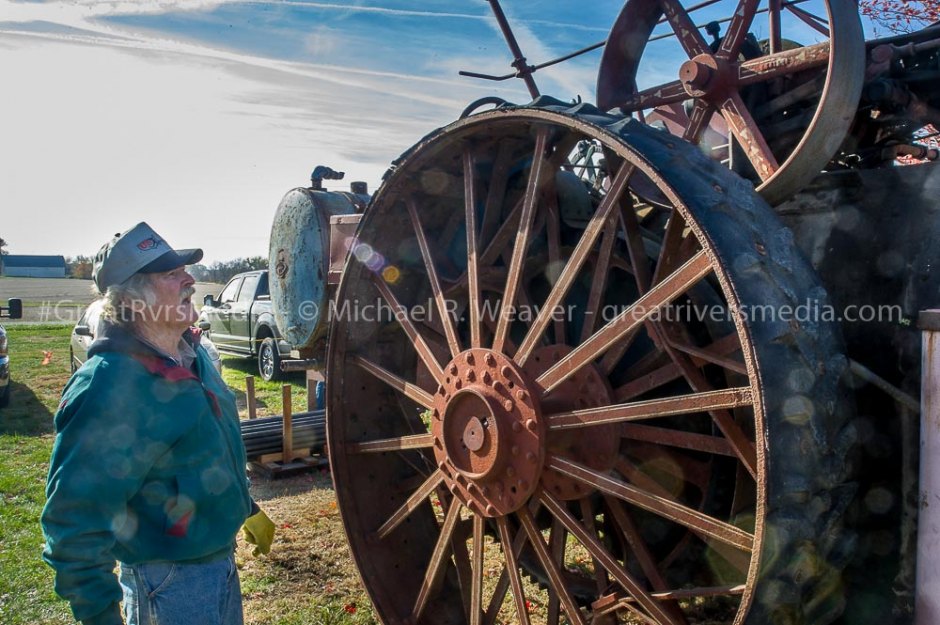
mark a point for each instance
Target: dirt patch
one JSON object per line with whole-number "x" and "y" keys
{"x": 309, "y": 567}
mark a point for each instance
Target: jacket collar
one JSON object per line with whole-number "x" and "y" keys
{"x": 115, "y": 338}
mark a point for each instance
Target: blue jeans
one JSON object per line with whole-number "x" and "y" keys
{"x": 166, "y": 593}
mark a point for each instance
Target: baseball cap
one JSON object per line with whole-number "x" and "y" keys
{"x": 138, "y": 250}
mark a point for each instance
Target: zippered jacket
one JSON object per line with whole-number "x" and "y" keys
{"x": 148, "y": 465}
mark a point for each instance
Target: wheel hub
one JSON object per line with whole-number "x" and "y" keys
{"x": 489, "y": 434}
{"x": 705, "y": 75}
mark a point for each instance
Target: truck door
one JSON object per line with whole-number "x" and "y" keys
{"x": 240, "y": 314}
{"x": 220, "y": 319}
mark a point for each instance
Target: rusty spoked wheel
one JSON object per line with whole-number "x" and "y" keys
{"x": 787, "y": 106}
{"x": 516, "y": 394}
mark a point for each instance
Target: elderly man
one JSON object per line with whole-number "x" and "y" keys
{"x": 148, "y": 466}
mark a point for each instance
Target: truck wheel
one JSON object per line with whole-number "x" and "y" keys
{"x": 666, "y": 443}
{"x": 269, "y": 361}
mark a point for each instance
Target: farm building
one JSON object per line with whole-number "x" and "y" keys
{"x": 31, "y": 266}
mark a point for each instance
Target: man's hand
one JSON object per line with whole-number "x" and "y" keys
{"x": 259, "y": 531}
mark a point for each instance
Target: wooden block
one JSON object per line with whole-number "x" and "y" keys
{"x": 297, "y": 454}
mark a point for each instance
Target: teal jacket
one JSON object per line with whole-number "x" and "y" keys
{"x": 148, "y": 465}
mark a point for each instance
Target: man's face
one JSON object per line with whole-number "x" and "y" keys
{"x": 173, "y": 306}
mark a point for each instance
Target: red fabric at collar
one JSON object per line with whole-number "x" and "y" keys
{"x": 175, "y": 373}
{"x": 159, "y": 366}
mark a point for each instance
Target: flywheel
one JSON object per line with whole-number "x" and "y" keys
{"x": 558, "y": 393}
{"x": 783, "y": 104}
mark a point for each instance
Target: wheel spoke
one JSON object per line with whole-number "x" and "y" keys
{"x": 783, "y": 63}
{"x": 496, "y": 193}
{"x": 686, "y": 31}
{"x": 398, "y": 443}
{"x": 575, "y": 263}
{"x": 587, "y": 519}
{"x": 737, "y": 558}
{"x": 554, "y": 575}
{"x": 725, "y": 421}
{"x": 632, "y": 535}
{"x": 458, "y": 543}
{"x": 657, "y": 297}
{"x": 417, "y": 341}
{"x": 677, "y": 438}
{"x": 439, "y": 298}
{"x": 435, "y": 571}
{"x": 476, "y": 591}
{"x": 514, "y": 277}
{"x": 706, "y": 356}
{"x": 747, "y": 133}
{"x": 557, "y": 540}
{"x": 683, "y": 593}
{"x": 671, "y": 510}
{"x": 473, "y": 282}
{"x": 409, "y": 390}
{"x": 411, "y": 504}
{"x": 599, "y": 280}
{"x": 813, "y": 21}
{"x": 737, "y": 30}
{"x": 651, "y": 409}
{"x": 512, "y": 568}
{"x": 503, "y": 236}
{"x": 701, "y": 114}
{"x": 670, "y": 93}
{"x": 553, "y": 232}
{"x": 668, "y": 259}
{"x": 642, "y": 381}
{"x": 597, "y": 550}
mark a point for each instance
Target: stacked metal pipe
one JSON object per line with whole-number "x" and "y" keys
{"x": 265, "y": 435}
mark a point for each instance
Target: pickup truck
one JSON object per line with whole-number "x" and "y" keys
{"x": 240, "y": 322}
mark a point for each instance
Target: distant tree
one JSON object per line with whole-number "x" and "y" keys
{"x": 901, "y": 16}
{"x": 79, "y": 267}
{"x": 222, "y": 271}
{"x": 199, "y": 272}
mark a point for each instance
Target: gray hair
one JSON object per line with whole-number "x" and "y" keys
{"x": 123, "y": 303}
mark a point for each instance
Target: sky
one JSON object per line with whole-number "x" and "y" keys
{"x": 197, "y": 116}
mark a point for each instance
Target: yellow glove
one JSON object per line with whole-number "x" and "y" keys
{"x": 259, "y": 531}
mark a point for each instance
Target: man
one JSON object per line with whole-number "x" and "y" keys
{"x": 148, "y": 465}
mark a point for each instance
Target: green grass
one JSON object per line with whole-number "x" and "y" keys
{"x": 26, "y": 594}
{"x": 268, "y": 397}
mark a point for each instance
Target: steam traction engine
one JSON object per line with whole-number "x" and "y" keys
{"x": 602, "y": 378}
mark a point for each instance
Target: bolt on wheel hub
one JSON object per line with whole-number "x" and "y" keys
{"x": 489, "y": 435}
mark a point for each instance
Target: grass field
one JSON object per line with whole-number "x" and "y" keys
{"x": 307, "y": 578}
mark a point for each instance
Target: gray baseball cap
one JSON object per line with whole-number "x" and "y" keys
{"x": 138, "y": 250}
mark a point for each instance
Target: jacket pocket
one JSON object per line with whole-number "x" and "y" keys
{"x": 181, "y": 508}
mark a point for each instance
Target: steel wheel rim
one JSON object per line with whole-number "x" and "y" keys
{"x": 267, "y": 361}
{"x": 388, "y": 468}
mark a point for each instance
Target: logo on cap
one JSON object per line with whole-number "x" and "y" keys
{"x": 149, "y": 243}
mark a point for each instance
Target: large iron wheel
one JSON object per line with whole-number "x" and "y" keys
{"x": 787, "y": 107}
{"x": 647, "y": 465}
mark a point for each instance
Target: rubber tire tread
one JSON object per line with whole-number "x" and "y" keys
{"x": 277, "y": 375}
